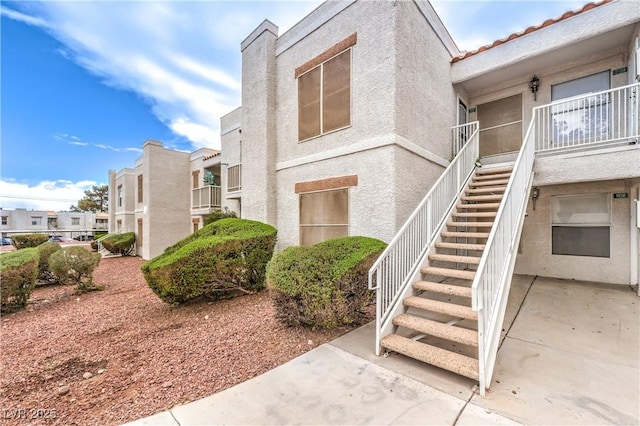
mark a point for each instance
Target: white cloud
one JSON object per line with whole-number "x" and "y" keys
{"x": 45, "y": 195}
{"x": 76, "y": 141}
{"x": 183, "y": 58}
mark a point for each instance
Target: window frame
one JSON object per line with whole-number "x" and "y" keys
{"x": 36, "y": 220}
{"x": 582, "y": 224}
{"x": 349, "y": 49}
{"x": 309, "y": 225}
{"x": 5, "y": 220}
{"x": 75, "y": 221}
{"x": 140, "y": 188}
{"x": 119, "y": 195}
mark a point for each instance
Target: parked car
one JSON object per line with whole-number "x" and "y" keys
{"x": 84, "y": 238}
{"x": 59, "y": 239}
{"x": 6, "y": 241}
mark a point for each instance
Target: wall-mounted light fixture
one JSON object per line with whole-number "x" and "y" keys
{"x": 534, "y": 84}
{"x": 535, "y": 194}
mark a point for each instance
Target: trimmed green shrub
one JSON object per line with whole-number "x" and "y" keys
{"x": 18, "y": 273}
{"x": 46, "y": 250}
{"x": 219, "y": 214}
{"x": 75, "y": 265}
{"x": 224, "y": 259}
{"x": 120, "y": 243}
{"x": 325, "y": 285}
{"x": 28, "y": 240}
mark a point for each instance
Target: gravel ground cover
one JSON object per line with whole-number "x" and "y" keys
{"x": 113, "y": 356}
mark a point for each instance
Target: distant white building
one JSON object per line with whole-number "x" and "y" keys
{"x": 66, "y": 224}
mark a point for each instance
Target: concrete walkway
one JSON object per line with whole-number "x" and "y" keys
{"x": 570, "y": 355}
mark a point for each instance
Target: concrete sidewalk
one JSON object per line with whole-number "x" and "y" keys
{"x": 570, "y": 355}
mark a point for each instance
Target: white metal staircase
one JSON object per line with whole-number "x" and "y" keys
{"x": 439, "y": 326}
{"x": 443, "y": 281}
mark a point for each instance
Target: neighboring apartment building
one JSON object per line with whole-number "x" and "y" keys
{"x": 165, "y": 196}
{"x": 66, "y": 224}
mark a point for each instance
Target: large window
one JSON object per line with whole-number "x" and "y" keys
{"x": 36, "y": 220}
{"x": 324, "y": 215}
{"x": 75, "y": 221}
{"x": 5, "y": 220}
{"x": 581, "y": 225}
{"x": 587, "y": 118}
{"x": 120, "y": 196}
{"x": 324, "y": 97}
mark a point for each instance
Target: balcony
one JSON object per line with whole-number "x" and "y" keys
{"x": 234, "y": 178}
{"x": 205, "y": 197}
{"x": 604, "y": 119}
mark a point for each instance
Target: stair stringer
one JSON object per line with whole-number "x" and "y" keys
{"x": 387, "y": 326}
{"x": 492, "y": 350}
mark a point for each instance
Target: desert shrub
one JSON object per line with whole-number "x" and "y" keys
{"x": 223, "y": 259}
{"x": 74, "y": 266}
{"x": 219, "y": 214}
{"x": 120, "y": 243}
{"x": 28, "y": 240}
{"x": 325, "y": 285}
{"x": 18, "y": 273}
{"x": 46, "y": 250}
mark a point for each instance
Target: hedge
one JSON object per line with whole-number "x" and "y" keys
{"x": 120, "y": 243}
{"x": 28, "y": 240}
{"x": 223, "y": 259}
{"x": 325, "y": 285}
{"x": 219, "y": 214}
{"x": 18, "y": 273}
{"x": 45, "y": 250}
{"x": 75, "y": 265}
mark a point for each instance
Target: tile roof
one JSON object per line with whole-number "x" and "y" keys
{"x": 209, "y": 157}
{"x": 531, "y": 29}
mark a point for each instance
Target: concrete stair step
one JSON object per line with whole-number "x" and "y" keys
{"x": 460, "y": 246}
{"x": 442, "y": 288}
{"x": 475, "y": 214}
{"x": 470, "y": 224}
{"x": 451, "y": 309}
{"x": 484, "y": 183}
{"x": 481, "y": 206}
{"x": 447, "y": 272}
{"x": 481, "y": 178}
{"x": 476, "y": 198}
{"x": 453, "y": 258}
{"x": 494, "y": 170}
{"x": 451, "y": 234}
{"x": 487, "y": 190}
{"x": 442, "y": 358}
{"x": 437, "y": 329}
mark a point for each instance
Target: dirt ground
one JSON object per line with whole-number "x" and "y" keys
{"x": 113, "y": 356}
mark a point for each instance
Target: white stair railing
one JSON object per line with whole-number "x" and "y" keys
{"x": 392, "y": 272}
{"x": 490, "y": 288}
{"x": 460, "y": 135}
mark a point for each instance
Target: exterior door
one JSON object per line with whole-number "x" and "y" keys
{"x": 500, "y": 125}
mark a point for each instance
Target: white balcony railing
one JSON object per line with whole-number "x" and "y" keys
{"x": 234, "y": 178}
{"x": 205, "y": 197}
{"x": 393, "y": 270}
{"x": 595, "y": 119}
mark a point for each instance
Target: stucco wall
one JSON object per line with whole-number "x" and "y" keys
{"x": 371, "y": 203}
{"x": 258, "y": 123}
{"x": 536, "y": 257}
{"x": 425, "y": 100}
{"x": 125, "y": 212}
{"x": 372, "y": 79}
{"x": 231, "y": 148}
{"x": 165, "y": 209}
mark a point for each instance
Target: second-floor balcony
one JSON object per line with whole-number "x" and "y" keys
{"x": 205, "y": 197}
{"x": 234, "y": 178}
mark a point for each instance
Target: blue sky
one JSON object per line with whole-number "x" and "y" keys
{"x": 84, "y": 83}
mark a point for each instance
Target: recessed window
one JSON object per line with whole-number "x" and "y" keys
{"x": 581, "y": 225}
{"x": 324, "y": 97}
{"x": 36, "y": 220}
{"x": 324, "y": 215}
{"x": 139, "y": 188}
{"x": 75, "y": 221}
{"x": 120, "y": 196}
{"x": 5, "y": 220}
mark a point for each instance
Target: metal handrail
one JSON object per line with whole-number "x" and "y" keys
{"x": 392, "y": 271}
